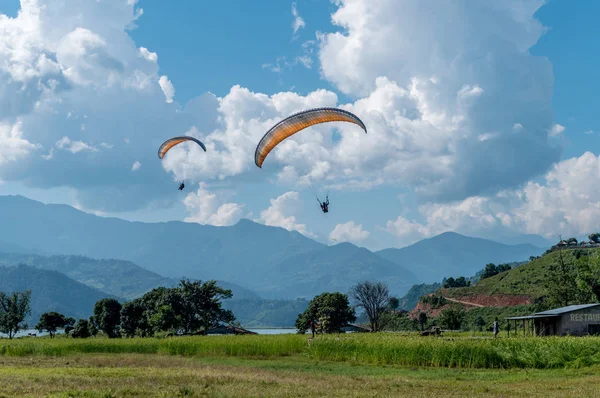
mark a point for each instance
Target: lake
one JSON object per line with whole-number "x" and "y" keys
{"x": 257, "y": 330}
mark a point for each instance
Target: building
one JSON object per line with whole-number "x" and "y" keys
{"x": 574, "y": 320}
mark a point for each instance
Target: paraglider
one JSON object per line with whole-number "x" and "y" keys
{"x": 170, "y": 143}
{"x": 325, "y": 205}
{"x": 297, "y": 122}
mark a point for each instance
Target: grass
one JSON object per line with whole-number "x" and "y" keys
{"x": 362, "y": 365}
{"x": 527, "y": 279}
{"x": 246, "y": 346}
{"x": 458, "y": 350}
{"x": 143, "y": 375}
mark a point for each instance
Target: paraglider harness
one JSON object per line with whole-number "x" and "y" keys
{"x": 181, "y": 186}
{"x": 325, "y": 205}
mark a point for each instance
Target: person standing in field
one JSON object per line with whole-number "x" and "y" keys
{"x": 312, "y": 328}
{"x": 496, "y": 328}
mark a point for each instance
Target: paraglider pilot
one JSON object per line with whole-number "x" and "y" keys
{"x": 181, "y": 186}
{"x": 325, "y": 205}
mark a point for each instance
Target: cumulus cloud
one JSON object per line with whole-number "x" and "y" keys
{"x": 298, "y": 21}
{"x": 567, "y": 202}
{"x": 136, "y": 166}
{"x": 14, "y": 146}
{"x": 148, "y": 55}
{"x": 75, "y": 81}
{"x": 449, "y": 79}
{"x": 74, "y": 146}
{"x": 167, "y": 88}
{"x": 349, "y": 232}
{"x": 207, "y": 208}
{"x": 451, "y": 113}
{"x": 282, "y": 213}
{"x": 557, "y": 129}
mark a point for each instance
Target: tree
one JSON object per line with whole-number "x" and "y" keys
{"x": 373, "y": 298}
{"x": 458, "y": 282}
{"x": 452, "y": 317}
{"x": 107, "y": 316}
{"x": 394, "y": 303}
{"x": 14, "y": 308}
{"x": 81, "y": 329}
{"x": 51, "y": 321}
{"x": 422, "y": 320}
{"x": 480, "y": 322}
{"x": 588, "y": 272}
{"x": 503, "y": 268}
{"x": 448, "y": 283}
{"x": 202, "y": 305}
{"x": 331, "y": 310}
{"x": 69, "y": 325}
{"x": 595, "y": 237}
{"x": 133, "y": 319}
{"x": 562, "y": 282}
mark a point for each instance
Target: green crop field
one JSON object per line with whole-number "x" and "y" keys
{"x": 384, "y": 364}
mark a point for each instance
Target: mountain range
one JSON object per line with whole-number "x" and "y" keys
{"x": 452, "y": 254}
{"x": 124, "y": 259}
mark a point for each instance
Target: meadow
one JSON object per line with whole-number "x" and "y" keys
{"x": 386, "y": 364}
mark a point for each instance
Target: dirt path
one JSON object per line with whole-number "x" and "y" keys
{"x": 463, "y": 302}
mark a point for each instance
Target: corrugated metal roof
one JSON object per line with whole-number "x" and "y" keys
{"x": 512, "y": 318}
{"x": 564, "y": 310}
{"x": 555, "y": 312}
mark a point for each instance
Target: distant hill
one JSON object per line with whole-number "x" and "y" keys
{"x": 117, "y": 277}
{"x": 237, "y": 254}
{"x": 534, "y": 240}
{"x": 414, "y": 294}
{"x": 335, "y": 268}
{"x": 51, "y": 291}
{"x": 528, "y": 279}
{"x": 451, "y": 254}
{"x": 266, "y": 313}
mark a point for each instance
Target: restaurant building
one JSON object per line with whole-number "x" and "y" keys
{"x": 574, "y": 320}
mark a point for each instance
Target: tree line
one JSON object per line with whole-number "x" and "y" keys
{"x": 192, "y": 307}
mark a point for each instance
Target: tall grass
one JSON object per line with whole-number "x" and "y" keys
{"x": 242, "y": 346}
{"x": 383, "y": 348}
{"x": 389, "y": 349}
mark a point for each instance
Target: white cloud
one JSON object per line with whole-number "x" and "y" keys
{"x": 588, "y": 132}
{"x": 206, "y": 208}
{"x": 567, "y": 203}
{"x": 74, "y": 146}
{"x": 298, "y": 21}
{"x": 349, "y": 232}
{"x": 148, "y": 55}
{"x": 282, "y": 213}
{"x": 451, "y": 84}
{"x": 167, "y": 88}
{"x": 305, "y": 60}
{"x": 14, "y": 146}
{"x": 556, "y": 129}
{"x": 136, "y": 166}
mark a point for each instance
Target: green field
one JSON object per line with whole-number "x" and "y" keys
{"x": 291, "y": 365}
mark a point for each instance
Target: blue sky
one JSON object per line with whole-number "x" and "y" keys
{"x": 498, "y": 102}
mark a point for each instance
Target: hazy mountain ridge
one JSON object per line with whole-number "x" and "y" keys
{"x": 452, "y": 254}
{"x": 50, "y": 291}
{"x": 336, "y": 268}
{"x": 116, "y": 277}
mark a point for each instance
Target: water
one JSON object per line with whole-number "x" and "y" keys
{"x": 24, "y": 333}
{"x": 275, "y": 331}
